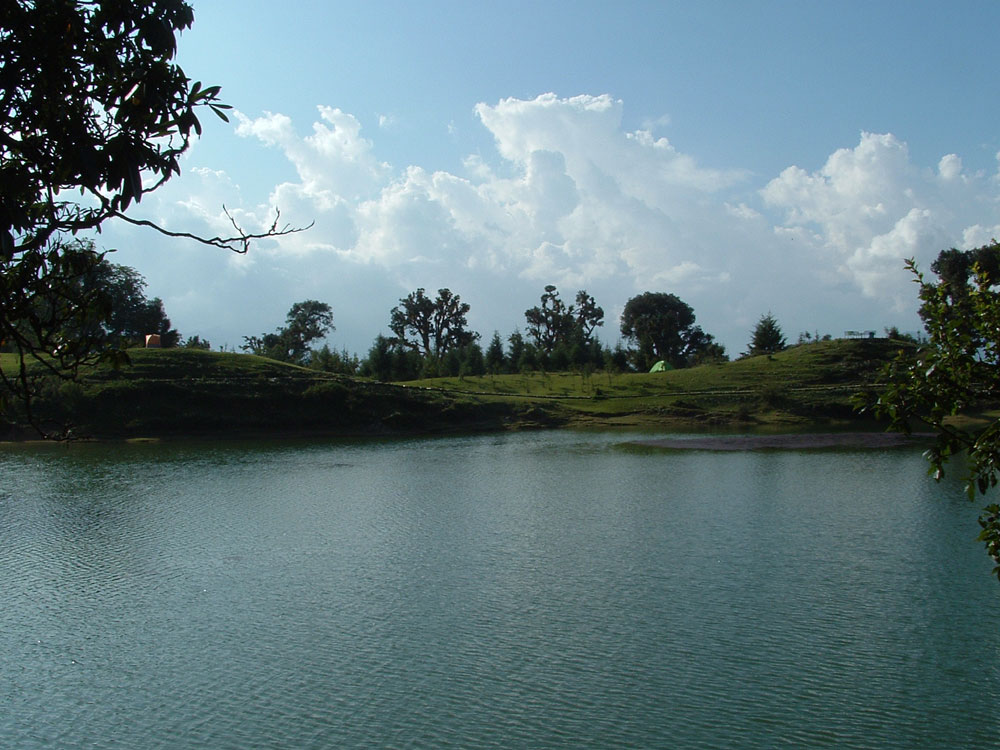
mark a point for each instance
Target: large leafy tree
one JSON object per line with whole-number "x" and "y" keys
{"x": 132, "y": 316}
{"x": 431, "y": 327}
{"x": 957, "y": 370}
{"x": 553, "y": 322}
{"x": 587, "y": 315}
{"x": 52, "y": 319}
{"x": 126, "y": 289}
{"x": 153, "y": 319}
{"x": 95, "y": 115}
{"x": 662, "y": 326}
{"x": 305, "y": 323}
{"x": 955, "y": 268}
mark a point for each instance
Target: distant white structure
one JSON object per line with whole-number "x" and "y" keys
{"x": 859, "y": 334}
{"x": 152, "y": 341}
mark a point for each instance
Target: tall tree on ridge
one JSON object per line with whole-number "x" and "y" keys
{"x": 767, "y": 337}
{"x": 431, "y": 327}
{"x": 661, "y": 325}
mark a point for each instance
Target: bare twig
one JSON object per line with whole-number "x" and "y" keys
{"x": 240, "y": 243}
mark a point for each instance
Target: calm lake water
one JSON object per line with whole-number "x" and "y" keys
{"x": 533, "y": 590}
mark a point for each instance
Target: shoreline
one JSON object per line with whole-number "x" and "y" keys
{"x": 791, "y": 441}
{"x": 687, "y": 434}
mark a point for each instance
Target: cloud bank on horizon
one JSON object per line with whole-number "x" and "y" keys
{"x": 572, "y": 198}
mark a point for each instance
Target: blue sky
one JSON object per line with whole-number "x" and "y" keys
{"x": 746, "y": 156}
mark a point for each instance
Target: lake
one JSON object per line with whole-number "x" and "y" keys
{"x": 549, "y": 589}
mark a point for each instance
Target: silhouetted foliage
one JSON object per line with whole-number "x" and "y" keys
{"x": 326, "y": 360}
{"x": 954, "y": 268}
{"x": 378, "y": 364}
{"x": 662, "y": 326}
{"x": 196, "y": 342}
{"x": 132, "y": 316}
{"x": 588, "y": 316}
{"x": 766, "y": 337}
{"x": 431, "y": 327}
{"x": 86, "y": 311}
{"x": 153, "y": 319}
{"x": 956, "y": 370}
{"x": 306, "y": 321}
{"x": 549, "y": 322}
{"x": 495, "y": 358}
{"x": 95, "y": 107}
{"x": 515, "y": 351}
{"x": 554, "y": 323}
{"x": 894, "y": 334}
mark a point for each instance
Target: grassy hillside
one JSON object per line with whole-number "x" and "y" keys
{"x": 192, "y": 392}
{"x": 809, "y": 383}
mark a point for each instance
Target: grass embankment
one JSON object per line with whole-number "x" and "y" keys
{"x": 191, "y": 392}
{"x": 808, "y": 384}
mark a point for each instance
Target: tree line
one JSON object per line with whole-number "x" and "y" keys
{"x": 430, "y": 337}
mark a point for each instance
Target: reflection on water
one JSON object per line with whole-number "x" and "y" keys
{"x": 529, "y": 590}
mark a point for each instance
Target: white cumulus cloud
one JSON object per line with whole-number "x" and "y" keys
{"x": 870, "y": 207}
{"x": 572, "y": 198}
{"x": 333, "y": 159}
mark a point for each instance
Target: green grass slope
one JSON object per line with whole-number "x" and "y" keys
{"x": 811, "y": 383}
{"x": 192, "y": 392}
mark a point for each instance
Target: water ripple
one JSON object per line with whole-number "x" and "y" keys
{"x": 505, "y": 591}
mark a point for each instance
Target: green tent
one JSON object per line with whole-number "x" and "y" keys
{"x": 661, "y": 366}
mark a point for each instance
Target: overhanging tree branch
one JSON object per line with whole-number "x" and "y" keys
{"x": 240, "y": 243}
{"x": 955, "y": 372}
{"x": 93, "y": 103}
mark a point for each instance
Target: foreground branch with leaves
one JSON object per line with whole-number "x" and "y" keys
{"x": 95, "y": 115}
{"x": 957, "y": 371}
